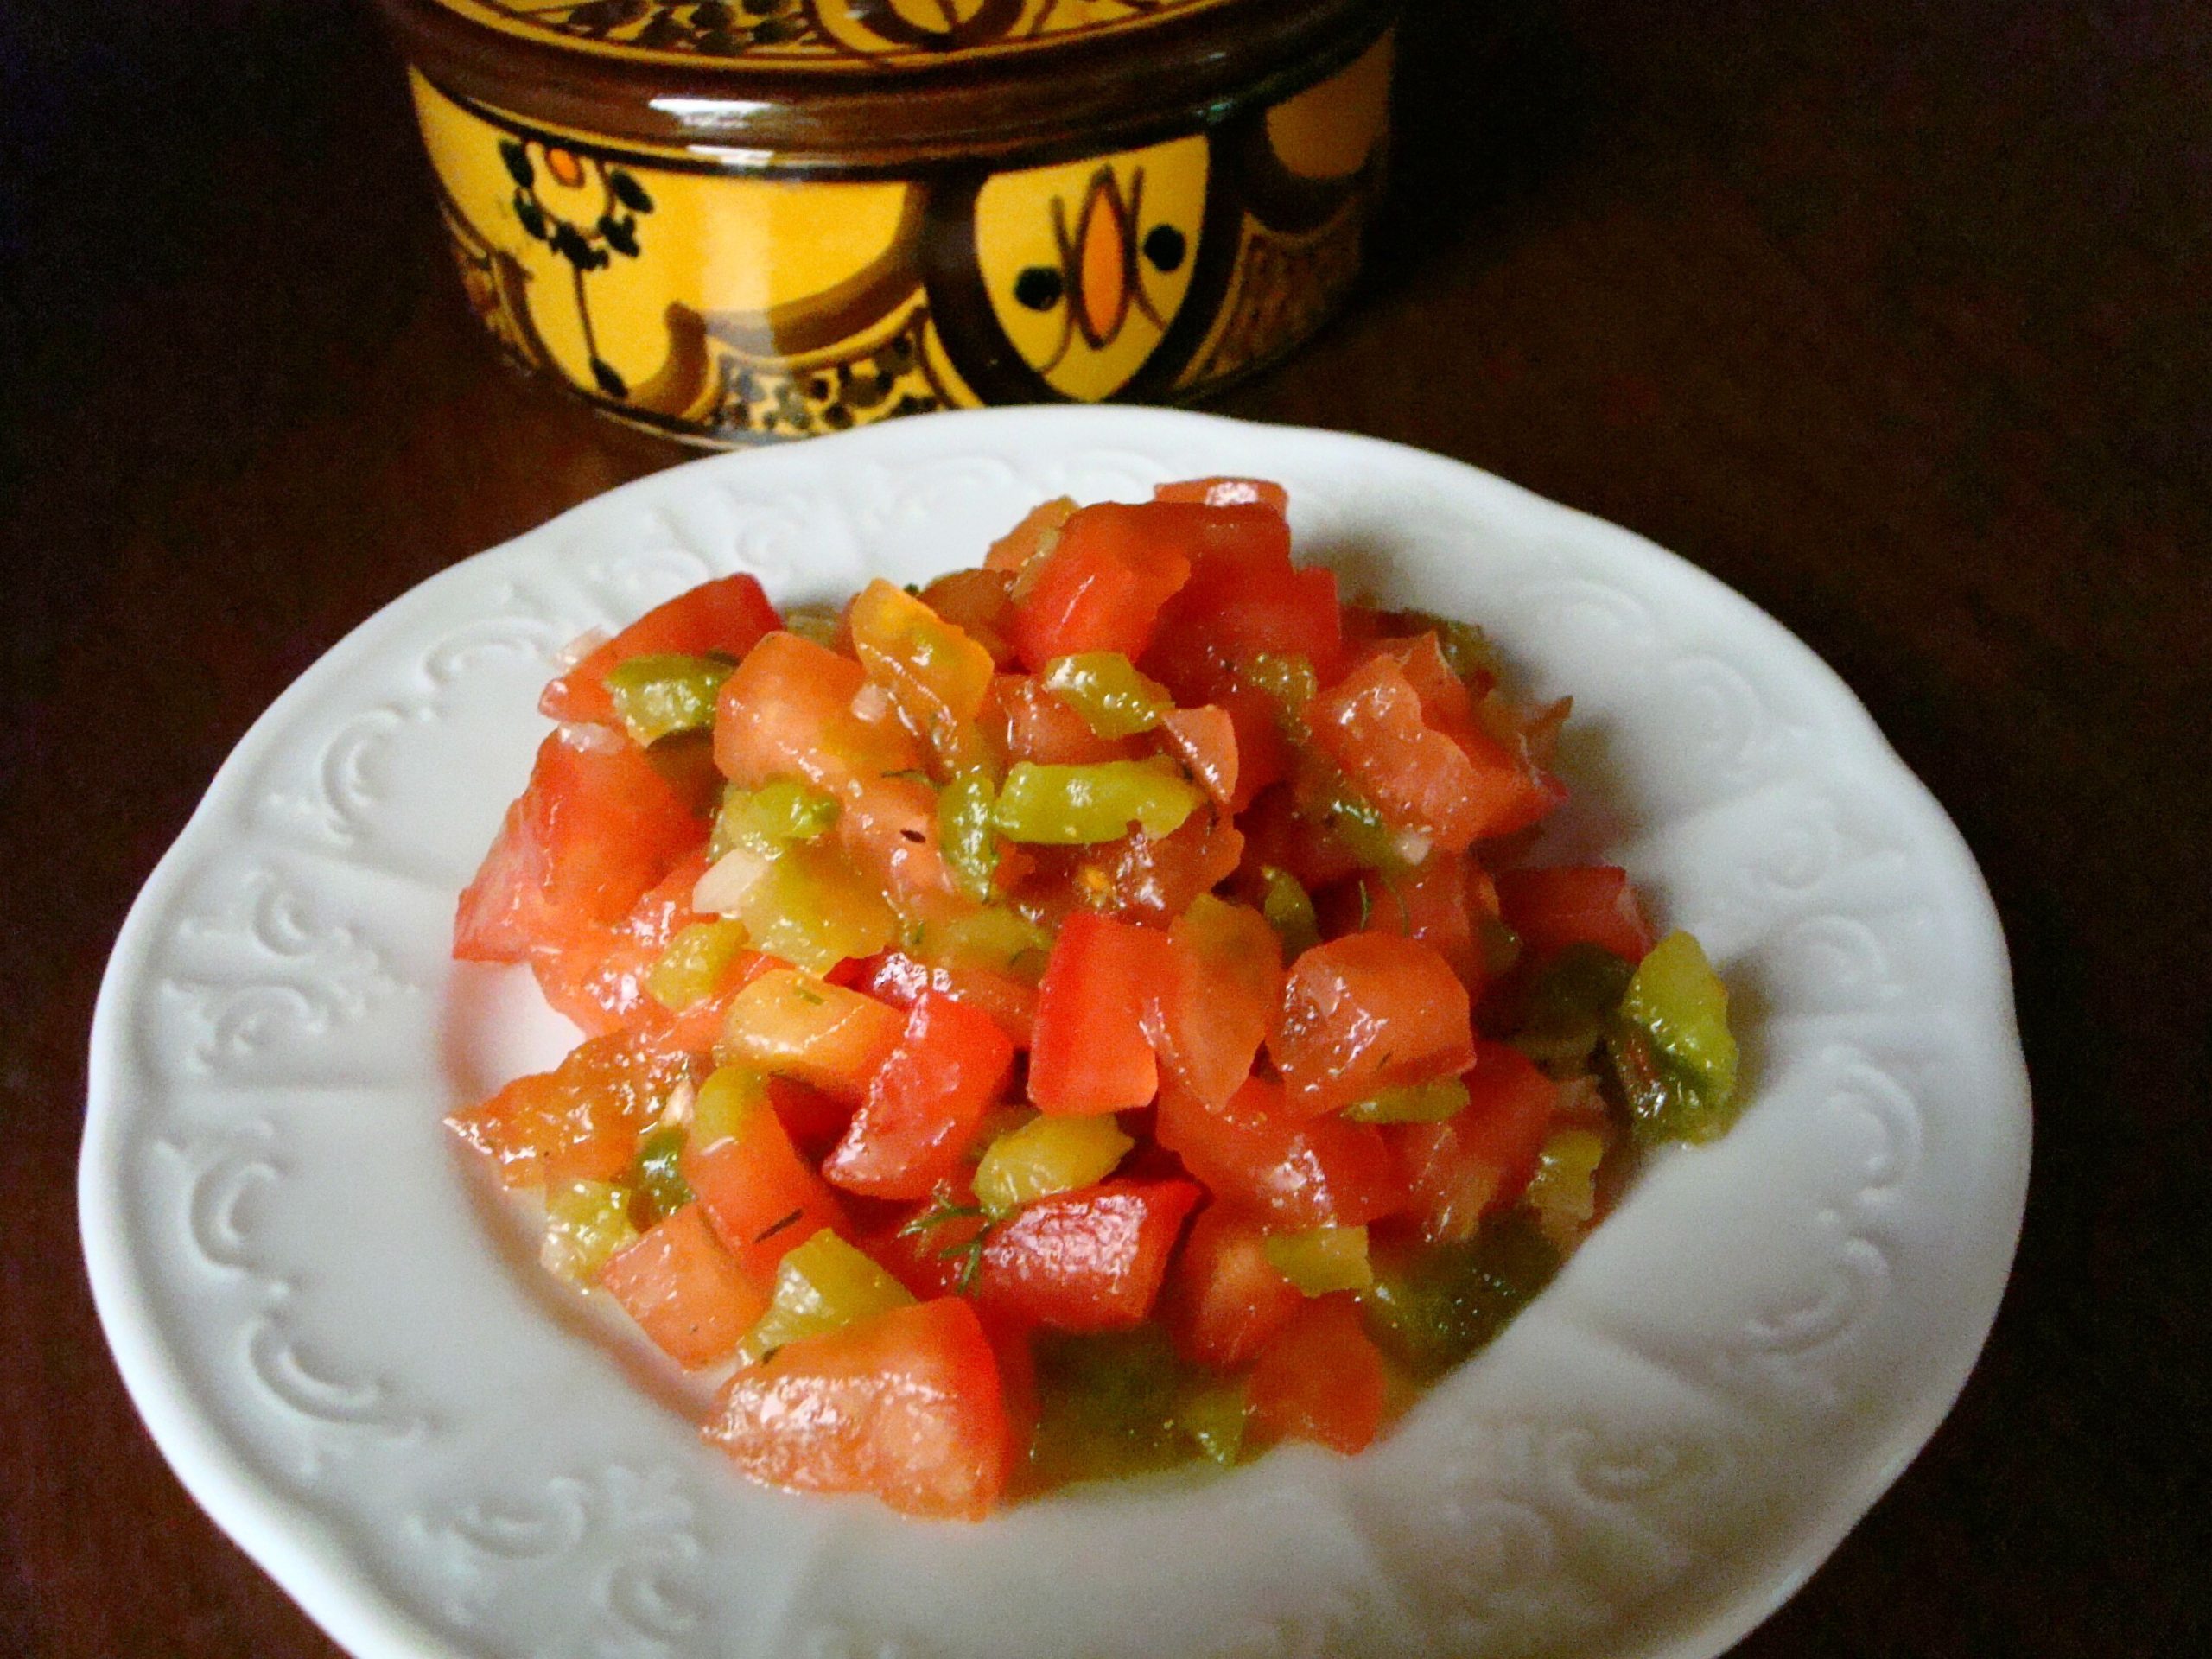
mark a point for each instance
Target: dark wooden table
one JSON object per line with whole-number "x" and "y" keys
{"x": 1892, "y": 315}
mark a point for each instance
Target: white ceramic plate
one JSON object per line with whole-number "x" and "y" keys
{"x": 335, "y": 1344}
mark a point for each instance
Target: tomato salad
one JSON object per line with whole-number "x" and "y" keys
{"x": 1078, "y": 1017}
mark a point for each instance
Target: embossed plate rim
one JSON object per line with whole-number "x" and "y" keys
{"x": 313, "y": 1550}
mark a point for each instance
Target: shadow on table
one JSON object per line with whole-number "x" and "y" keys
{"x": 1492, "y": 101}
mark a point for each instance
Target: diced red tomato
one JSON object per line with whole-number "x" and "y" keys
{"x": 1223, "y": 1297}
{"x": 762, "y": 1197}
{"x": 1277, "y": 835}
{"x": 978, "y": 603}
{"x": 1449, "y": 787}
{"x": 1227, "y": 492}
{"x": 1480, "y": 1160}
{"x": 1090, "y": 1260}
{"x": 1220, "y": 983}
{"x": 1139, "y": 878}
{"x": 1204, "y": 740}
{"x": 930, "y": 1260}
{"x": 1553, "y": 908}
{"x": 600, "y": 982}
{"x": 786, "y": 711}
{"x": 1320, "y": 1173}
{"x": 1037, "y": 533}
{"x": 925, "y": 1104}
{"x": 1026, "y": 722}
{"x": 815, "y": 1122}
{"x": 1102, "y": 586}
{"x": 888, "y": 827}
{"x": 726, "y": 617}
{"x": 900, "y": 980}
{"x": 1088, "y": 1052}
{"x": 1244, "y": 600}
{"x": 595, "y": 828}
{"x": 1365, "y": 1013}
{"x": 1438, "y": 903}
{"x": 580, "y": 1121}
{"x": 679, "y": 1284}
{"x": 906, "y": 1406}
{"x": 1321, "y": 1379}
{"x": 825, "y": 1035}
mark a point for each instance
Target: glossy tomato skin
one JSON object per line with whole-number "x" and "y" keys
{"x": 1204, "y": 741}
{"x": 1442, "y": 902}
{"x": 1365, "y": 1013}
{"x": 1223, "y": 1299}
{"x": 1372, "y": 724}
{"x": 926, "y": 1103}
{"x": 786, "y": 711}
{"x": 596, "y": 827}
{"x": 1088, "y": 1052}
{"x": 762, "y": 1198}
{"x": 685, "y": 1290}
{"x": 1470, "y": 1164}
{"x": 1320, "y": 1378}
{"x": 1219, "y": 982}
{"x": 1090, "y": 1260}
{"x": 1243, "y": 600}
{"x": 1555, "y": 907}
{"x": 1254, "y": 1153}
{"x": 599, "y": 982}
{"x": 906, "y": 1406}
{"x": 580, "y": 1121}
{"x": 1227, "y": 492}
{"x": 901, "y": 980}
{"x": 1025, "y": 722}
{"x": 727, "y": 617}
{"x": 1138, "y": 878}
{"x": 1102, "y": 586}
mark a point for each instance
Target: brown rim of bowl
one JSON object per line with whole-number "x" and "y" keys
{"x": 1084, "y": 94}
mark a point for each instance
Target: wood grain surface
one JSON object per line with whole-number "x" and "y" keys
{"x": 1892, "y": 315}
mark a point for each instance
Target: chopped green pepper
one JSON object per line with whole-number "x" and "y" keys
{"x": 822, "y": 1285}
{"x": 822, "y": 624}
{"x": 1322, "y": 1259}
{"x": 1124, "y": 1404}
{"x": 1070, "y": 806}
{"x": 725, "y": 1101}
{"x": 814, "y": 910}
{"x": 1004, "y": 941}
{"x": 1568, "y": 1005}
{"x": 1105, "y": 688}
{"x": 693, "y": 962}
{"x": 1291, "y": 681}
{"x": 1671, "y": 1046}
{"x": 586, "y": 1222}
{"x": 1289, "y": 910}
{"x": 1563, "y": 1193}
{"x": 1414, "y": 1103}
{"x": 967, "y": 834}
{"x": 770, "y": 818}
{"x": 1047, "y": 1155}
{"x": 1215, "y": 1418}
{"x": 660, "y": 693}
{"x": 657, "y": 1175}
{"x": 1434, "y": 1309}
{"x": 1365, "y": 833}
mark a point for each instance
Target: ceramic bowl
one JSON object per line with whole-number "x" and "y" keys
{"x": 348, "y": 1359}
{"x": 736, "y": 223}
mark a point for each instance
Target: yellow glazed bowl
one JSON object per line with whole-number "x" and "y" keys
{"x": 741, "y": 222}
